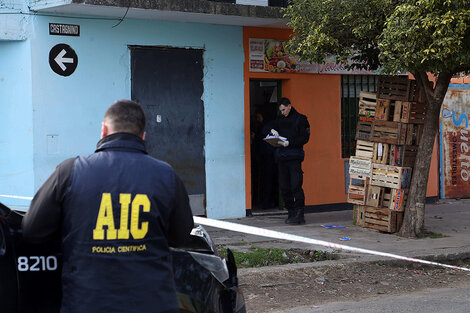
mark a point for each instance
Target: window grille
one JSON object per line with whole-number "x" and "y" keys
{"x": 351, "y": 86}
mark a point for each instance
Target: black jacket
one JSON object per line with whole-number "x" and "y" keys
{"x": 116, "y": 212}
{"x": 296, "y": 129}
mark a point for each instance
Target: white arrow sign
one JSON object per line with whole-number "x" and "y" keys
{"x": 60, "y": 60}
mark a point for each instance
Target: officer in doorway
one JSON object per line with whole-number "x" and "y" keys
{"x": 289, "y": 156}
{"x": 116, "y": 212}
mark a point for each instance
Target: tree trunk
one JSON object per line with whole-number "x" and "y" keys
{"x": 413, "y": 223}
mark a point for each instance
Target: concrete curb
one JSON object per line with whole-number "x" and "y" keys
{"x": 441, "y": 258}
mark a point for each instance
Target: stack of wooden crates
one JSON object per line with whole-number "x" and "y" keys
{"x": 387, "y": 138}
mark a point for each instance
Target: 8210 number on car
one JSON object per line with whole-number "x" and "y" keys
{"x": 37, "y": 263}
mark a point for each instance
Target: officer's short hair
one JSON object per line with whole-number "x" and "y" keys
{"x": 284, "y": 101}
{"x": 126, "y": 116}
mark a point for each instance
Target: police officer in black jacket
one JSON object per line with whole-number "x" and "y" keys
{"x": 116, "y": 212}
{"x": 289, "y": 156}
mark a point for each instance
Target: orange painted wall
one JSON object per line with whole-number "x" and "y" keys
{"x": 319, "y": 98}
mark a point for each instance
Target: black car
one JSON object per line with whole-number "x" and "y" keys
{"x": 30, "y": 274}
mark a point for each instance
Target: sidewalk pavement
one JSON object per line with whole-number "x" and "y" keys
{"x": 450, "y": 218}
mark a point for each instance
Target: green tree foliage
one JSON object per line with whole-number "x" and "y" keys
{"x": 398, "y": 35}
{"x": 417, "y": 36}
{"x": 427, "y": 35}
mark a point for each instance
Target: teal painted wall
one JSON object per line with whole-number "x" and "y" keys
{"x": 68, "y": 110}
{"x": 16, "y": 122}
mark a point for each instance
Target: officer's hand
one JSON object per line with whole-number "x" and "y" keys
{"x": 274, "y": 133}
{"x": 283, "y": 143}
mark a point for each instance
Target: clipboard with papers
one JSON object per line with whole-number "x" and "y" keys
{"x": 273, "y": 140}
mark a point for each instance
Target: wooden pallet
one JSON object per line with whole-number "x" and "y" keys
{"x": 364, "y": 130}
{"x": 380, "y": 153}
{"x": 375, "y": 196}
{"x": 382, "y": 219}
{"x": 389, "y": 132}
{"x": 403, "y": 155}
{"x": 360, "y": 168}
{"x": 397, "y": 88}
{"x": 358, "y": 215}
{"x": 382, "y": 111}
{"x": 367, "y": 105}
{"x": 357, "y": 191}
{"x": 395, "y": 177}
{"x": 413, "y": 134}
{"x": 364, "y": 149}
{"x": 409, "y": 112}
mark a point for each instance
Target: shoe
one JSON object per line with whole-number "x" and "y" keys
{"x": 297, "y": 218}
{"x": 290, "y": 215}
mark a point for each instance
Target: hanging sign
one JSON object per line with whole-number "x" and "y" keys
{"x": 63, "y": 60}
{"x": 270, "y": 55}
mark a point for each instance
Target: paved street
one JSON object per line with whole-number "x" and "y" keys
{"x": 448, "y": 300}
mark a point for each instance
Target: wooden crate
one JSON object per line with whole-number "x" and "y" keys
{"x": 367, "y": 105}
{"x": 387, "y": 195}
{"x": 364, "y": 149}
{"x": 382, "y": 111}
{"x": 403, "y": 155}
{"x": 397, "y": 88}
{"x": 398, "y": 199}
{"x": 363, "y": 131}
{"x": 382, "y": 219}
{"x": 409, "y": 112}
{"x": 360, "y": 168}
{"x": 357, "y": 191}
{"x": 380, "y": 153}
{"x": 389, "y": 132}
{"x": 375, "y": 196}
{"x": 400, "y": 108}
{"x": 395, "y": 177}
{"x": 358, "y": 215}
{"x": 413, "y": 134}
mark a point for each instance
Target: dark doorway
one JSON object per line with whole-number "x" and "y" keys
{"x": 264, "y": 95}
{"x": 168, "y": 83}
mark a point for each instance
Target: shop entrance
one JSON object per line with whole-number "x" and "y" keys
{"x": 264, "y": 95}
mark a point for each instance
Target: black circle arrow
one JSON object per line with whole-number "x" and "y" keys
{"x": 63, "y": 60}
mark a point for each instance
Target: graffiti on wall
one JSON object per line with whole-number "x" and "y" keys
{"x": 455, "y": 143}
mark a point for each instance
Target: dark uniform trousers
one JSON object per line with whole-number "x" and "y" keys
{"x": 291, "y": 179}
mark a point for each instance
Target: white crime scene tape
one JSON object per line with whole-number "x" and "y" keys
{"x": 284, "y": 236}
{"x": 16, "y": 197}
{"x": 278, "y": 235}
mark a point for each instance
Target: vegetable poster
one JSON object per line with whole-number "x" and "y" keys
{"x": 269, "y": 55}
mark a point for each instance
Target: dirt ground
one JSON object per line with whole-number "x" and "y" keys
{"x": 288, "y": 288}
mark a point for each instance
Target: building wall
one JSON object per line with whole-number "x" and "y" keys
{"x": 319, "y": 97}
{"x": 13, "y": 26}
{"x": 66, "y": 112}
{"x": 16, "y": 121}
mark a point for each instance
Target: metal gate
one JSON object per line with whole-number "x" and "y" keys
{"x": 168, "y": 83}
